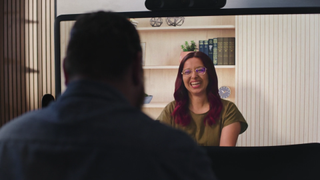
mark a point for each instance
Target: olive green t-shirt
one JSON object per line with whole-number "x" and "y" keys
{"x": 204, "y": 134}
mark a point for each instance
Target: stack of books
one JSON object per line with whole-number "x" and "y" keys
{"x": 221, "y": 50}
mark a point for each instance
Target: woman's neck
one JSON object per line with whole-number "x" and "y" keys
{"x": 199, "y": 104}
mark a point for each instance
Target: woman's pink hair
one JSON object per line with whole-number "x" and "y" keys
{"x": 181, "y": 110}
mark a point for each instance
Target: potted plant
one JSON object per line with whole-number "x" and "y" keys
{"x": 187, "y": 48}
{"x": 147, "y": 98}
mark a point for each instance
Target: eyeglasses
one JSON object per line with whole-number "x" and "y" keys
{"x": 200, "y": 71}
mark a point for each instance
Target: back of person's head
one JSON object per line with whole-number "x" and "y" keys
{"x": 46, "y": 100}
{"x": 102, "y": 46}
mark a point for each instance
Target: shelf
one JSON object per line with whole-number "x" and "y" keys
{"x": 176, "y": 67}
{"x": 225, "y": 66}
{"x": 185, "y": 28}
{"x": 155, "y": 105}
{"x": 160, "y": 67}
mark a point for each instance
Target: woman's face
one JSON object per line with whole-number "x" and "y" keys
{"x": 195, "y": 77}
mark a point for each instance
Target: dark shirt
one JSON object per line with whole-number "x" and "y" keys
{"x": 92, "y": 132}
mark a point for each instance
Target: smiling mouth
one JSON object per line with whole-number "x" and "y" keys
{"x": 195, "y": 84}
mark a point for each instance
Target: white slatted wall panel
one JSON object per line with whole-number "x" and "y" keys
{"x": 277, "y": 78}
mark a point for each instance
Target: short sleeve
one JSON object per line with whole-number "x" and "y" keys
{"x": 165, "y": 116}
{"x": 231, "y": 114}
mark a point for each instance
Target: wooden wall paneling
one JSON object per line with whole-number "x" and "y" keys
{"x": 294, "y": 74}
{"x": 262, "y": 90}
{"x": 27, "y": 55}
{"x": 46, "y": 51}
{"x": 35, "y": 59}
{"x": 9, "y": 56}
{"x": 1, "y": 60}
{"x": 310, "y": 50}
{"x": 13, "y": 63}
{"x": 4, "y": 60}
{"x": 18, "y": 58}
{"x": 286, "y": 83}
{"x": 277, "y": 78}
{"x": 20, "y": 35}
{"x": 30, "y": 55}
{"x": 23, "y": 107}
{"x": 49, "y": 58}
{"x": 277, "y": 91}
{"x": 239, "y": 87}
{"x": 317, "y": 83}
{"x": 25, "y": 44}
{"x": 315, "y": 72}
{"x": 40, "y": 52}
{"x": 3, "y": 23}
{"x": 307, "y": 114}
{"x": 300, "y": 79}
{"x": 52, "y": 18}
{"x": 257, "y": 78}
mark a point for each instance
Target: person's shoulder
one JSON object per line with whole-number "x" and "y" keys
{"x": 171, "y": 105}
{"x": 17, "y": 126}
{"x": 228, "y": 104}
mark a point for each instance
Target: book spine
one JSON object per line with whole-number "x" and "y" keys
{"x": 215, "y": 51}
{"x": 206, "y": 47}
{"x": 201, "y": 45}
{"x": 210, "y": 49}
{"x": 225, "y": 55}
{"x": 232, "y": 51}
{"x": 220, "y": 49}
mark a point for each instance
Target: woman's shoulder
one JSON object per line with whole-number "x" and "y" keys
{"x": 230, "y": 114}
{"x": 227, "y": 103}
{"x": 165, "y": 115}
{"x": 171, "y": 105}
{"x": 228, "y": 106}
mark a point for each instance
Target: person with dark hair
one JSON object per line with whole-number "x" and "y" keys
{"x": 46, "y": 100}
{"x": 96, "y": 129}
{"x": 198, "y": 108}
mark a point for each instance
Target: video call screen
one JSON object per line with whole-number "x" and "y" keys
{"x": 270, "y": 63}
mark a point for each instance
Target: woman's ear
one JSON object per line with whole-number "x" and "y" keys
{"x": 137, "y": 71}
{"x": 66, "y": 76}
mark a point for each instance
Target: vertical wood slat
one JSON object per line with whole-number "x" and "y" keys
{"x": 8, "y": 59}
{"x": 23, "y": 56}
{"x": 40, "y": 46}
{"x": 26, "y": 56}
{"x": 2, "y": 49}
{"x": 34, "y": 60}
{"x": 277, "y": 78}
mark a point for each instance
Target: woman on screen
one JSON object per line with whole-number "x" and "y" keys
{"x": 198, "y": 108}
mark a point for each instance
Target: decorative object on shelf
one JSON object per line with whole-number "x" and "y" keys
{"x": 175, "y": 21}
{"x": 134, "y": 22}
{"x": 156, "y": 21}
{"x": 147, "y": 98}
{"x": 187, "y": 48}
{"x": 224, "y": 92}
